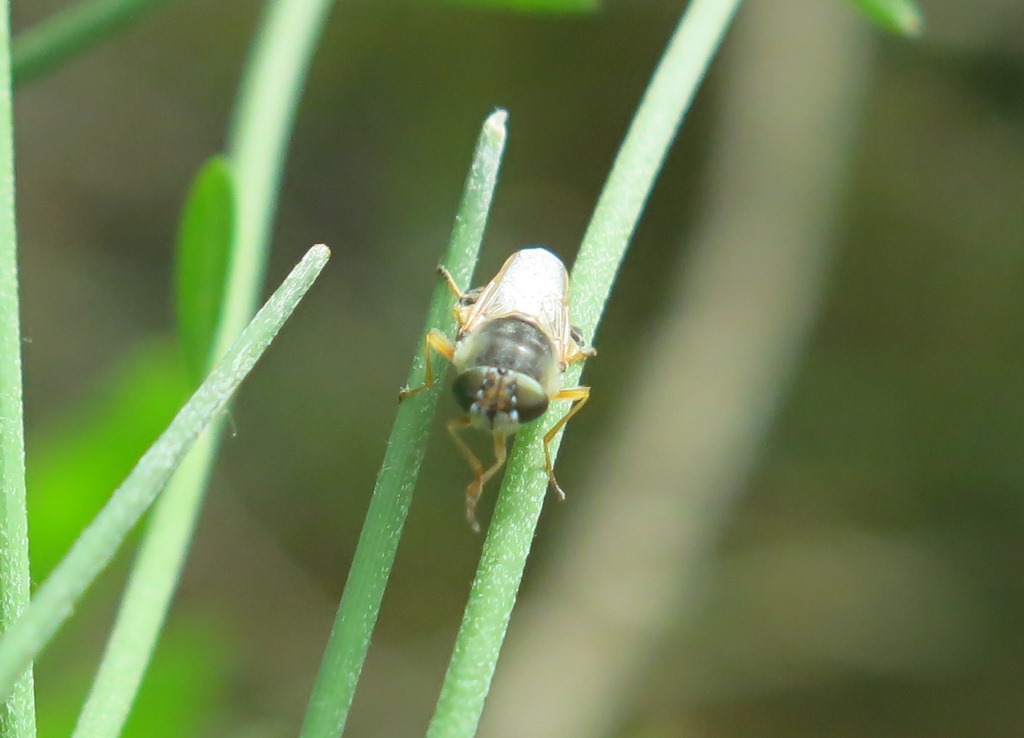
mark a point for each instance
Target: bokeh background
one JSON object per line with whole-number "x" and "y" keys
{"x": 795, "y": 499}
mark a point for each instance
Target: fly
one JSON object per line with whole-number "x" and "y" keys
{"x": 514, "y": 342}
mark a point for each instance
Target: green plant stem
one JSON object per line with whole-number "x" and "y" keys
{"x": 604, "y": 246}
{"x": 17, "y": 714}
{"x": 70, "y": 32}
{"x": 261, "y": 129}
{"x": 148, "y": 594}
{"x": 99, "y": 542}
{"x": 258, "y": 141}
{"x": 378, "y": 543}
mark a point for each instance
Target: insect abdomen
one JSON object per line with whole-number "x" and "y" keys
{"x": 513, "y": 344}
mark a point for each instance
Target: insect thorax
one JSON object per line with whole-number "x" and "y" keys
{"x": 507, "y": 369}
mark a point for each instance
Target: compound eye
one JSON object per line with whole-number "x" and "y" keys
{"x": 532, "y": 400}
{"x": 467, "y": 387}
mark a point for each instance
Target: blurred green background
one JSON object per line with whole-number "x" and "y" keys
{"x": 861, "y": 580}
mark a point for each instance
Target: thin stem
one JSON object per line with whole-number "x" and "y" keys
{"x": 268, "y": 98}
{"x": 70, "y": 32}
{"x": 90, "y": 554}
{"x": 378, "y": 543}
{"x": 618, "y": 210}
{"x": 17, "y": 714}
{"x": 148, "y": 594}
{"x": 97, "y": 545}
{"x": 258, "y": 142}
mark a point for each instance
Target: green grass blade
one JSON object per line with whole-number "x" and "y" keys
{"x": 261, "y": 129}
{"x": 899, "y": 16}
{"x": 148, "y": 594}
{"x": 204, "y": 246}
{"x": 44, "y": 48}
{"x": 378, "y": 543}
{"x": 604, "y": 246}
{"x": 17, "y": 713}
{"x": 55, "y": 599}
{"x": 258, "y": 142}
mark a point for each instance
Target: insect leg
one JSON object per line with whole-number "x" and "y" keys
{"x": 454, "y": 426}
{"x": 450, "y": 281}
{"x": 476, "y": 487}
{"x": 581, "y": 350}
{"x": 580, "y": 353}
{"x": 465, "y": 299}
{"x": 579, "y": 396}
{"x": 438, "y": 342}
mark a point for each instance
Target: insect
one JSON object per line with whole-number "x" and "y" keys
{"x": 514, "y": 343}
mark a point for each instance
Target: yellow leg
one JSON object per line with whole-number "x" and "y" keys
{"x": 579, "y": 396}
{"x": 476, "y": 487}
{"x": 580, "y": 353}
{"x": 580, "y": 349}
{"x": 482, "y": 476}
{"x": 448, "y": 280}
{"x": 438, "y": 342}
{"x": 464, "y": 300}
{"x": 454, "y": 426}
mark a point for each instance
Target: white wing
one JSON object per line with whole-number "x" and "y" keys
{"x": 532, "y": 285}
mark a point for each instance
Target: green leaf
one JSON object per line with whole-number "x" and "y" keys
{"x": 898, "y": 16}
{"x": 536, "y": 6}
{"x": 204, "y": 243}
